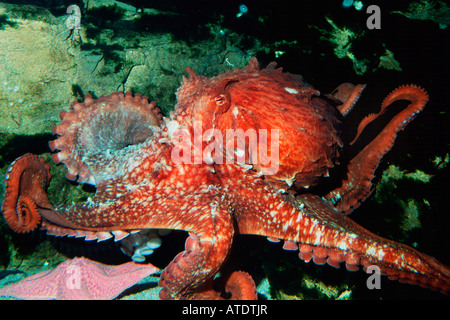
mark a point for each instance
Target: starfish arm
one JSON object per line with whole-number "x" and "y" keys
{"x": 361, "y": 169}
{"x": 79, "y": 279}
{"x": 99, "y": 281}
{"x": 28, "y": 290}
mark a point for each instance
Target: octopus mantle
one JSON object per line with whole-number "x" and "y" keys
{"x": 148, "y": 176}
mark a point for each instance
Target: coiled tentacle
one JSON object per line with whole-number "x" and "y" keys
{"x": 361, "y": 169}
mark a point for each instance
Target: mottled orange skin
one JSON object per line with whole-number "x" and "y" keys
{"x": 142, "y": 187}
{"x": 252, "y": 98}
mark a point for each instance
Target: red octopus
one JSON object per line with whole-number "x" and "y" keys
{"x": 179, "y": 173}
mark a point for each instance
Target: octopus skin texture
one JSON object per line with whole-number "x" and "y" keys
{"x": 160, "y": 173}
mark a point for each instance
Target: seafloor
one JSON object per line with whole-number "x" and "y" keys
{"x": 144, "y": 46}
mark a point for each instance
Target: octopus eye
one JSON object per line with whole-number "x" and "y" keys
{"x": 220, "y": 100}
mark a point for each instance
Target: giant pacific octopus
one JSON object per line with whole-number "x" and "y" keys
{"x": 155, "y": 173}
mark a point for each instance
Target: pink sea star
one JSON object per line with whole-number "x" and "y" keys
{"x": 79, "y": 279}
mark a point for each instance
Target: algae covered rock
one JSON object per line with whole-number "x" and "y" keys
{"x": 46, "y": 63}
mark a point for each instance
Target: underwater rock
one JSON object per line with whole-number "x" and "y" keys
{"x": 46, "y": 64}
{"x": 36, "y": 71}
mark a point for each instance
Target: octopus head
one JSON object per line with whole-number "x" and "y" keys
{"x": 265, "y": 104}
{"x": 202, "y": 99}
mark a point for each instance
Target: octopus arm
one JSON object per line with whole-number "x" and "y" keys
{"x": 101, "y": 127}
{"x": 190, "y": 274}
{"x": 348, "y": 94}
{"x": 320, "y": 232}
{"x": 361, "y": 169}
{"x": 26, "y": 181}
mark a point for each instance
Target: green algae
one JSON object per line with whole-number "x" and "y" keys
{"x": 435, "y": 11}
